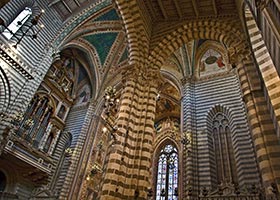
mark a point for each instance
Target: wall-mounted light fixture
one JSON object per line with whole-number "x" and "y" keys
{"x": 20, "y": 27}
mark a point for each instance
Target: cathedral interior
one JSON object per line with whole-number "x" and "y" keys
{"x": 140, "y": 99}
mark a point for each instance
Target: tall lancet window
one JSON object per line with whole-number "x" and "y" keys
{"x": 167, "y": 175}
{"x": 17, "y": 23}
{"x": 225, "y": 162}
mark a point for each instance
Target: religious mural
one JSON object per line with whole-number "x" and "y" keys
{"x": 83, "y": 94}
{"x": 211, "y": 62}
{"x": 83, "y": 86}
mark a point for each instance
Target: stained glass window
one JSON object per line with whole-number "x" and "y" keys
{"x": 167, "y": 175}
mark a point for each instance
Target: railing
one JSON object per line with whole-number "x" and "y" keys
{"x": 229, "y": 191}
{"x": 232, "y": 197}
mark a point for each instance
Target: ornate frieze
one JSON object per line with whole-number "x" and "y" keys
{"x": 14, "y": 63}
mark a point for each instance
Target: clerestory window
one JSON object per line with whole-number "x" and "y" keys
{"x": 17, "y": 23}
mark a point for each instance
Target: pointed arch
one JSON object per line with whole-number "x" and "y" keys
{"x": 221, "y": 149}
{"x": 221, "y": 55}
{"x": 93, "y": 74}
{"x": 216, "y": 109}
{"x": 264, "y": 62}
{"x": 166, "y": 170}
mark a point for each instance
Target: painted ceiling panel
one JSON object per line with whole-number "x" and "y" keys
{"x": 102, "y": 42}
{"x": 124, "y": 56}
{"x": 108, "y": 16}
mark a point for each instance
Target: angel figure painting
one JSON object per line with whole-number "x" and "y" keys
{"x": 211, "y": 63}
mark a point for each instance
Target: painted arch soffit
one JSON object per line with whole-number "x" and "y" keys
{"x": 168, "y": 105}
{"x": 87, "y": 60}
{"x": 102, "y": 36}
{"x": 179, "y": 62}
{"x": 77, "y": 20}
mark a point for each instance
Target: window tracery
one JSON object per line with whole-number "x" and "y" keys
{"x": 223, "y": 149}
{"x": 167, "y": 174}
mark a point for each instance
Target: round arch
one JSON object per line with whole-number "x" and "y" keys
{"x": 227, "y": 32}
{"x": 137, "y": 35}
{"x": 11, "y": 177}
{"x": 263, "y": 61}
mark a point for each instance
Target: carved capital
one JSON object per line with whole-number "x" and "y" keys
{"x": 142, "y": 75}
{"x": 131, "y": 72}
{"x": 56, "y": 56}
{"x": 154, "y": 78}
{"x": 239, "y": 52}
{"x": 187, "y": 79}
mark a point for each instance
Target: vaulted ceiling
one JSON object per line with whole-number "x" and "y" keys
{"x": 163, "y": 33}
{"x": 148, "y": 31}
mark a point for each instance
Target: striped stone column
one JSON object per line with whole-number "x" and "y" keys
{"x": 188, "y": 116}
{"x": 59, "y": 162}
{"x": 128, "y": 174}
{"x": 267, "y": 68}
{"x": 263, "y": 132}
{"x": 75, "y": 173}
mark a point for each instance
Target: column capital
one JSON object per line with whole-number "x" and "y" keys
{"x": 93, "y": 103}
{"x": 187, "y": 79}
{"x": 56, "y": 55}
{"x": 239, "y": 52}
{"x": 143, "y": 75}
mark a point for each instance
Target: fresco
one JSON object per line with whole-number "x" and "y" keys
{"x": 84, "y": 94}
{"x": 83, "y": 86}
{"x": 211, "y": 62}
